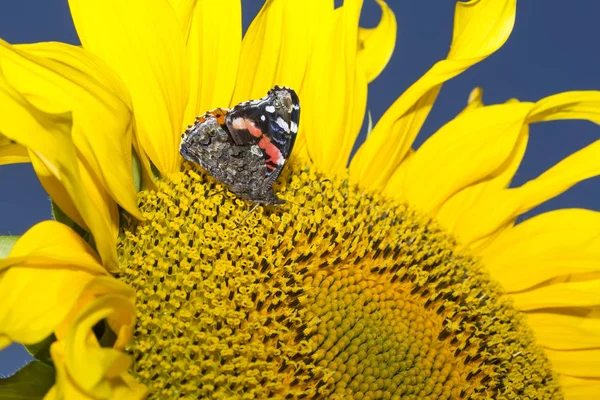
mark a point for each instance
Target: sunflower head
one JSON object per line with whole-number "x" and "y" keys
{"x": 358, "y": 297}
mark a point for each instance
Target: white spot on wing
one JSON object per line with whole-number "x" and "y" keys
{"x": 238, "y": 123}
{"x": 294, "y": 127}
{"x": 284, "y": 125}
{"x": 270, "y": 109}
{"x": 256, "y": 151}
{"x": 262, "y": 118}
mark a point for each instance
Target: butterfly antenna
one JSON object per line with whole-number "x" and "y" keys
{"x": 247, "y": 214}
{"x": 300, "y": 206}
{"x": 217, "y": 192}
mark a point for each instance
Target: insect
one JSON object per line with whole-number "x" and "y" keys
{"x": 247, "y": 146}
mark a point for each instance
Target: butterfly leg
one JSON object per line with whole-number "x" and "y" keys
{"x": 247, "y": 214}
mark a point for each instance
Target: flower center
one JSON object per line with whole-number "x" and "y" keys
{"x": 338, "y": 292}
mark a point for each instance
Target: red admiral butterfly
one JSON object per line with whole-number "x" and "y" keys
{"x": 246, "y": 147}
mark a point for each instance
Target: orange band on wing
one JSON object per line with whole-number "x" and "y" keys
{"x": 218, "y": 113}
{"x": 273, "y": 153}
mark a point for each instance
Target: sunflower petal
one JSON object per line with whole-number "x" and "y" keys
{"x": 480, "y": 28}
{"x": 467, "y": 149}
{"x": 50, "y": 243}
{"x": 27, "y": 126}
{"x": 6, "y": 245}
{"x": 285, "y": 31}
{"x": 568, "y": 105}
{"x": 142, "y": 41}
{"x": 66, "y": 78}
{"x": 41, "y": 280}
{"x": 48, "y": 138}
{"x": 59, "y": 193}
{"x": 569, "y": 294}
{"x": 511, "y": 203}
{"x": 101, "y": 286}
{"x": 376, "y": 45}
{"x": 89, "y": 364}
{"x": 508, "y": 204}
{"x": 552, "y": 244}
{"x": 452, "y": 210}
{"x": 564, "y": 332}
{"x": 334, "y": 70}
{"x": 122, "y": 387}
{"x": 32, "y": 308}
{"x": 474, "y": 101}
{"x": 396, "y": 182}
{"x": 12, "y": 153}
{"x": 580, "y": 388}
{"x": 184, "y": 10}
{"x": 575, "y": 362}
{"x": 213, "y": 32}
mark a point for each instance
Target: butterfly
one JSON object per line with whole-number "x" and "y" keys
{"x": 247, "y": 146}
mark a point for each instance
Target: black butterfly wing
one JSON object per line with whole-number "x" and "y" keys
{"x": 271, "y": 123}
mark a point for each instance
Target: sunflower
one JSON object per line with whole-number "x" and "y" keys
{"x": 398, "y": 273}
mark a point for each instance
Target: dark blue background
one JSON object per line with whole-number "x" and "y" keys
{"x": 553, "y": 48}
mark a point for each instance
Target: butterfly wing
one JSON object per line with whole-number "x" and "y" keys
{"x": 241, "y": 167}
{"x": 271, "y": 123}
{"x": 208, "y": 143}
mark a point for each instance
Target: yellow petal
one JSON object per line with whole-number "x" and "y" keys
{"x": 213, "y": 32}
{"x": 376, "y": 45}
{"x": 48, "y": 138}
{"x": 89, "y": 364}
{"x": 81, "y": 60}
{"x": 98, "y": 287}
{"x": 11, "y": 152}
{"x": 497, "y": 209}
{"x": 59, "y": 193}
{"x": 41, "y": 279}
{"x": 564, "y": 332}
{"x": 475, "y": 100}
{"x": 36, "y": 300}
{"x": 452, "y": 211}
{"x": 511, "y": 203}
{"x": 580, "y": 388}
{"x": 122, "y": 387}
{"x": 183, "y": 10}
{"x": 467, "y": 149}
{"x": 92, "y": 64}
{"x": 583, "y": 363}
{"x": 105, "y": 223}
{"x": 570, "y": 294}
{"x": 50, "y": 243}
{"x": 66, "y": 78}
{"x": 552, "y": 244}
{"x": 396, "y": 183}
{"x": 568, "y": 105}
{"x": 276, "y": 48}
{"x": 143, "y": 42}
{"x": 480, "y": 28}
{"x": 330, "y": 132}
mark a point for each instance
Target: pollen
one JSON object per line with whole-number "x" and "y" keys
{"x": 339, "y": 293}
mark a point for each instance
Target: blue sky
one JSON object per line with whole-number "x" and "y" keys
{"x": 553, "y": 48}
